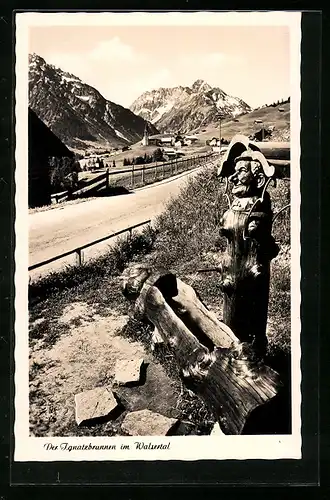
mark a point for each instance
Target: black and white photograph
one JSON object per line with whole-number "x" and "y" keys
{"x": 157, "y": 236}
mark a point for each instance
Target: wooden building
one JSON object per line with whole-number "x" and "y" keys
{"x": 43, "y": 145}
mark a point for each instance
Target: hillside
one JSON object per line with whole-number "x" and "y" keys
{"x": 186, "y": 108}
{"x": 77, "y": 113}
{"x": 245, "y": 124}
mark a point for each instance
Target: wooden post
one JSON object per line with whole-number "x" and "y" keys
{"x": 212, "y": 360}
{"x": 247, "y": 226}
{"x": 143, "y": 174}
{"x": 79, "y": 257}
{"x": 132, "y": 176}
{"x": 163, "y": 171}
{"x": 107, "y": 179}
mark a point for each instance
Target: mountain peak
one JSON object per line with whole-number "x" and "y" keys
{"x": 200, "y": 84}
{"x": 35, "y": 58}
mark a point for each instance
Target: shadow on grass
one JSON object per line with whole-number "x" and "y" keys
{"x": 110, "y": 191}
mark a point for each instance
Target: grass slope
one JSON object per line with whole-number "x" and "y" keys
{"x": 270, "y": 116}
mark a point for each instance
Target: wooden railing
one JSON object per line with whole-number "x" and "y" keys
{"x": 136, "y": 175}
{"x": 140, "y": 175}
{"x": 79, "y": 250}
{"x": 58, "y": 197}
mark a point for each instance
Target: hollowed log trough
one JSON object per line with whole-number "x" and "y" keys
{"x": 212, "y": 361}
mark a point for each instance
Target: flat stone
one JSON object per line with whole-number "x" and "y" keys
{"x": 216, "y": 431}
{"x": 147, "y": 423}
{"x": 128, "y": 371}
{"x": 96, "y": 403}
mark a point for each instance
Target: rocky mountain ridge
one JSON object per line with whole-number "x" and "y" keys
{"x": 77, "y": 113}
{"x": 187, "y": 108}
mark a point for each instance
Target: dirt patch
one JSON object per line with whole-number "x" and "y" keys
{"x": 82, "y": 359}
{"x": 77, "y": 310}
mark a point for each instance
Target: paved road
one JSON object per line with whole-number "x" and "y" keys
{"x": 59, "y": 230}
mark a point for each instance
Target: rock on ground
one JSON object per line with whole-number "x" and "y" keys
{"x": 147, "y": 423}
{"x": 93, "y": 404}
{"x": 128, "y": 371}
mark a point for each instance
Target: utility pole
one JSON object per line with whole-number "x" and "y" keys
{"x": 220, "y": 118}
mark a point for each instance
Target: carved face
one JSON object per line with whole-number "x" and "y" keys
{"x": 248, "y": 179}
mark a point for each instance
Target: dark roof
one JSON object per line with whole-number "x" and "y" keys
{"x": 43, "y": 140}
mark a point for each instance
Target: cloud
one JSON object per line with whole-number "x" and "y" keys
{"x": 115, "y": 50}
{"x": 105, "y": 52}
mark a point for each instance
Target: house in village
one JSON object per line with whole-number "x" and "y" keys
{"x": 45, "y": 148}
{"x": 160, "y": 140}
{"x": 172, "y": 153}
{"x": 190, "y": 139}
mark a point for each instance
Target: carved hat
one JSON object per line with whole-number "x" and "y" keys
{"x": 242, "y": 148}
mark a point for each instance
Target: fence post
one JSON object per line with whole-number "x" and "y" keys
{"x": 79, "y": 257}
{"x": 132, "y": 181}
{"x": 163, "y": 171}
{"x": 143, "y": 167}
{"x": 107, "y": 179}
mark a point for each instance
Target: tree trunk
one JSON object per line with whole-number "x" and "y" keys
{"x": 213, "y": 362}
{"x": 246, "y": 270}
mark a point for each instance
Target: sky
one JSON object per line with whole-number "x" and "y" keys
{"x": 122, "y": 62}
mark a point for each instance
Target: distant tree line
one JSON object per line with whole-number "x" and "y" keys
{"x": 274, "y": 104}
{"x": 157, "y": 155}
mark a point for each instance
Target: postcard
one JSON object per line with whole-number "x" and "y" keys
{"x": 157, "y": 280}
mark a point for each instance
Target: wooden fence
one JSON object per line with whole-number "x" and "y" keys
{"x": 136, "y": 176}
{"x": 79, "y": 250}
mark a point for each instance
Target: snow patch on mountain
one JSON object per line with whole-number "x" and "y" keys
{"x": 122, "y": 136}
{"x": 85, "y": 98}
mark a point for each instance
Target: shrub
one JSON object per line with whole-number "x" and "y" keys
{"x": 189, "y": 225}
{"x": 157, "y": 155}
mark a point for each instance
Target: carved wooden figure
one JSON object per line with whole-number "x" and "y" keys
{"x": 247, "y": 226}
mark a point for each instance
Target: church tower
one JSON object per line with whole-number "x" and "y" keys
{"x": 145, "y": 140}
